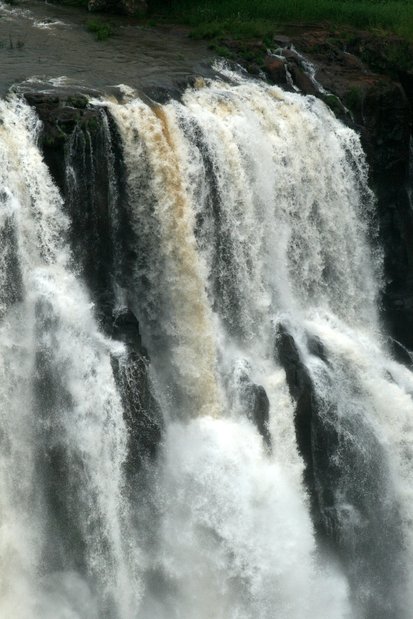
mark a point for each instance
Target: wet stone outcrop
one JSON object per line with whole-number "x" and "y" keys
{"x": 257, "y": 406}
{"x": 348, "y": 479}
{"x": 77, "y": 143}
{"x": 82, "y": 150}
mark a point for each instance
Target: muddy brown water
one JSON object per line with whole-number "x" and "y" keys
{"x": 45, "y": 46}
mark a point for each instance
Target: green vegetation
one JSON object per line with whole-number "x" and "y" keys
{"x": 353, "y": 99}
{"x": 248, "y": 18}
{"x": 239, "y": 27}
{"x": 334, "y": 104}
{"x": 77, "y": 101}
{"x": 102, "y": 29}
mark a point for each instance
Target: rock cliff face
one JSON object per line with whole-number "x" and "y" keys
{"x": 335, "y": 465}
{"x": 368, "y": 83}
{"x": 81, "y": 148}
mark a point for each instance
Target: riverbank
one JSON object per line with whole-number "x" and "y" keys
{"x": 243, "y": 17}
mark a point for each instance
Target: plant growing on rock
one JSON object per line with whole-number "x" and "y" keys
{"x": 102, "y": 30}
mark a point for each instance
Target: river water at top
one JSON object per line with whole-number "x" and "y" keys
{"x": 47, "y": 44}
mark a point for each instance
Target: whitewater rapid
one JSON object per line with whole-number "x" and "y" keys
{"x": 250, "y": 232}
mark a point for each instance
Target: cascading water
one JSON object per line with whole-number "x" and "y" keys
{"x": 63, "y": 434}
{"x": 255, "y": 461}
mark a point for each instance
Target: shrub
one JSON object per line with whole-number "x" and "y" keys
{"x": 102, "y": 30}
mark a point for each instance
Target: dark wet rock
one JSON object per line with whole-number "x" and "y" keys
{"x": 60, "y": 115}
{"x": 125, "y": 327}
{"x": 57, "y": 468}
{"x": 401, "y": 353}
{"x": 141, "y": 410}
{"x": 302, "y": 80}
{"x": 348, "y": 479}
{"x": 258, "y": 408}
{"x": 385, "y": 112}
{"x": 254, "y": 69}
{"x": 316, "y": 347}
{"x": 82, "y": 150}
{"x": 282, "y": 40}
{"x": 275, "y": 69}
{"x": 255, "y": 404}
{"x": 163, "y": 94}
{"x": 386, "y": 138}
{"x": 291, "y": 55}
{"x": 300, "y": 386}
{"x": 74, "y": 140}
{"x": 12, "y": 289}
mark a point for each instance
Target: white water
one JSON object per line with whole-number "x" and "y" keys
{"x": 252, "y": 209}
{"x": 54, "y": 319}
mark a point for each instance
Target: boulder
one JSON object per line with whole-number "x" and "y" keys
{"x": 258, "y": 407}
{"x": 275, "y": 69}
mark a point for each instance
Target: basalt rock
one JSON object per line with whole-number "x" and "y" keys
{"x": 347, "y": 482}
{"x": 275, "y": 69}
{"x": 141, "y": 410}
{"x": 301, "y": 389}
{"x": 258, "y": 408}
{"x": 82, "y": 150}
{"x": 254, "y": 403}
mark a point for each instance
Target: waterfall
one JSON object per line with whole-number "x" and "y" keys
{"x": 200, "y": 416}
{"x": 63, "y": 432}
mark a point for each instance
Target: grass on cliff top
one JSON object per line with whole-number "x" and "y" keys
{"x": 243, "y": 18}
